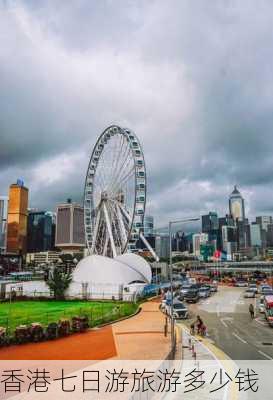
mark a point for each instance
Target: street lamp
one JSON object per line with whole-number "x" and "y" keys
{"x": 179, "y": 221}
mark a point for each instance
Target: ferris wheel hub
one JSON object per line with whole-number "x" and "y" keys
{"x": 104, "y": 195}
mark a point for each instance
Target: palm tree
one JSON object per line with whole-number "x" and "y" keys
{"x": 58, "y": 282}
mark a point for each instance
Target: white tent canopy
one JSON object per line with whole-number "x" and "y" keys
{"x": 97, "y": 276}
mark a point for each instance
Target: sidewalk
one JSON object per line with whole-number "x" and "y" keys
{"x": 142, "y": 337}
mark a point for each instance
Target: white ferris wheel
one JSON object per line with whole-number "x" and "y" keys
{"x": 115, "y": 193}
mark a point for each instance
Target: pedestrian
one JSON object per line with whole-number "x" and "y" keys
{"x": 251, "y": 310}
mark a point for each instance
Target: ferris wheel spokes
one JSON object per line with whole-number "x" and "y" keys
{"x": 108, "y": 225}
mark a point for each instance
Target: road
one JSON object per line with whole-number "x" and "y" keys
{"x": 230, "y": 328}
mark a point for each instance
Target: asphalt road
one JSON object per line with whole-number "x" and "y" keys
{"x": 230, "y": 327}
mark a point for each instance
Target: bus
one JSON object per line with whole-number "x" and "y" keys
{"x": 268, "y": 309}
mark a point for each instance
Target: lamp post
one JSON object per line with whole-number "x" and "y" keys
{"x": 179, "y": 221}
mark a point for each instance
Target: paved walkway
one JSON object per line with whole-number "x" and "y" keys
{"x": 138, "y": 338}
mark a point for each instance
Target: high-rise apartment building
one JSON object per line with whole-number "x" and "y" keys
{"x": 70, "y": 226}
{"x": 3, "y": 223}
{"x": 236, "y": 205}
{"x": 17, "y": 219}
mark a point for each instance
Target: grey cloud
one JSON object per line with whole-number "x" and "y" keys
{"x": 193, "y": 79}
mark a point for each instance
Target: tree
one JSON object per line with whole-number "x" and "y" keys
{"x": 58, "y": 282}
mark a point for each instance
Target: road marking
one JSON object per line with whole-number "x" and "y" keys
{"x": 264, "y": 355}
{"x": 223, "y": 322}
{"x": 239, "y": 338}
{"x": 264, "y": 323}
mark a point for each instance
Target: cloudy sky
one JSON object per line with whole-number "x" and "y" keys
{"x": 193, "y": 79}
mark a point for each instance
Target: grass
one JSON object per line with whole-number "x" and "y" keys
{"x": 26, "y": 312}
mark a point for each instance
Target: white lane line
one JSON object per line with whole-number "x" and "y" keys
{"x": 264, "y": 355}
{"x": 239, "y": 338}
{"x": 223, "y": 322}
{"x": 264, "y": 323}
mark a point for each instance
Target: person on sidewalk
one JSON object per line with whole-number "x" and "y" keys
{"x": 251, "y": 311}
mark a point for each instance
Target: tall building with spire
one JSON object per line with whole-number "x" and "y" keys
{"x": 236, "y": 205}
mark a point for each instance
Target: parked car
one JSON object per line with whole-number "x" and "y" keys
{"x": 261, "y": 304}
{"x": 267, "y": 292}
{"x": 204, "y": 292}
{"x": 185, "y": 288}
{"x": 180, "y": 311}
{"x": 249, "y": 293}
{"x": 264, "y": 288}
{"x": 213, "y": 287}
{"x": 208, "y": 288}
{"x": 268, "y": 309}
{"x": 253, "y": 287}
{"x": 192, "y": 296}
{"x": 241, "y": 283}
{"x": 196, "y": 286}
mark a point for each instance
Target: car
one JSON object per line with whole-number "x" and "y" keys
{"x": 207, "y": 287}
{"x": 179, "y": 297}
{"x": 261, "y": 305}
{"x": 213, "y": 288}
{"x": 249, "y": 293}
{"x": 180, "y": 311}
{"x": 204, "y": 292}
{"x": 267, "y": 292}
{"x": 241, "y": 283}
{"x": 185, "y": 289}
{"x": 192, "y": 296}
{"x": 264, "y": 288}
{"x": 196, "y": 286}
{"x": 253, "y": 287}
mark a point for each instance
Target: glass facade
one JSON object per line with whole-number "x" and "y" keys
{"x": 39, "y": 232}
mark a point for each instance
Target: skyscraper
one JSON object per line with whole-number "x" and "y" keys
{"x": 17, "y": 218}
{"x": 39, "y": 231}
{"x": 264, "y": 221}
{"x": 3, "y": 223}
{"x": 70, "y": 226}
{"x": 256, "y": 235}
{"x": 210, "y": 223}
{"x": 236, "y": 205}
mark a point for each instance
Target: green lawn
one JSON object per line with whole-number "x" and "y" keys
{"x": 25, "y": 312}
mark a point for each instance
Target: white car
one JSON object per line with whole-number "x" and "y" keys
{"x": 253, "y": 287}
{"x": 261, "y": 305}
{"x": 241, "y": 284}
{"x": 180, "y": 311}
{"x": 249, "y": 294}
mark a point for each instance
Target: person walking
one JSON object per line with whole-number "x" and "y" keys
{"x": 251, "y": 310}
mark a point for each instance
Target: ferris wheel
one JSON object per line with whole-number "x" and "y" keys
{"x": 115, "y": 193}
